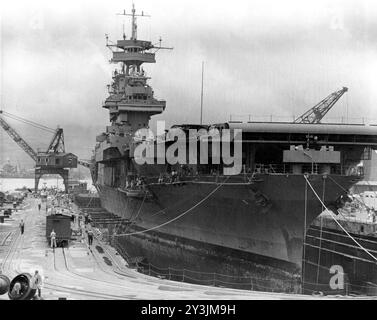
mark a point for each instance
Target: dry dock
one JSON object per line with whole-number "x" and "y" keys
{"x": 82, "y": 273}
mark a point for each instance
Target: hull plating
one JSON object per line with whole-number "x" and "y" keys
{"x": 260, "y": 223}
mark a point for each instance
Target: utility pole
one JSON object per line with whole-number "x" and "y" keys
{"x": 201, "y": 96}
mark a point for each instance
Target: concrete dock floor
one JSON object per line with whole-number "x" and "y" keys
{"x": 82, "y": 273}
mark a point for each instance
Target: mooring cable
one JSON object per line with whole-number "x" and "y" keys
{"x": 339, "y": 224}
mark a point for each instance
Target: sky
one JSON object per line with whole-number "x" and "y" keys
{"x": 261, "y": 58}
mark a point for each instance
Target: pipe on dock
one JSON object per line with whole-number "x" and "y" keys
{"x": 4, "y": 284}
{"x": 26, "y": 292}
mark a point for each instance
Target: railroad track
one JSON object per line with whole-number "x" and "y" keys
{"x": 113, "y": 284}
{"x": 12, "y": 261}
{"x": 9, "y": 256}
{"x": 17, "y": 242}
{"x": 72, "y": 274}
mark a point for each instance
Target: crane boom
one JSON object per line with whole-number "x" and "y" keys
{"x": 57, "y": 142}
{"x": 84, "y": 163}
{"x": 17, "y": 138}
{"x": 315, "y": 114}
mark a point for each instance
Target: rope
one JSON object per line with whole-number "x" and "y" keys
{"x": 305, "y": 214}
{"x": 331, "y": 214}
{"x": 90, "y": 200}
{"x": 138, "y": 212}
{"x": 177, "y": 217}
{"x": 321, "y": 229}
{"x": 29, "y": 122}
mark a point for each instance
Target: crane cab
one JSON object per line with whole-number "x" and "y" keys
{"x": 56, "y": 160}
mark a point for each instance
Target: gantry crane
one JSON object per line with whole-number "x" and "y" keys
{"x": 315, "y": 114}
{"x": 54, "y": 160}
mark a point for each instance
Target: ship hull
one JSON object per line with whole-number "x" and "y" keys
{"x": 248, "y": 231}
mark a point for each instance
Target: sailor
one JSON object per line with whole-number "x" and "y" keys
{"x": 173, "y": 176}
{"x": 142, "y": 182}
{"x": 79, "y": 218}
{"x": 22, "y": 226}
{"x": 90, "y": 237}
{"x": 53, "y": 239}
{"x": 36, "y": 283}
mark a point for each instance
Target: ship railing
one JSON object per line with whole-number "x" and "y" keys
{"x": 286, "y": 285}
{"x": 290, "y": 119}
{"x": 146, "y": 101}
{"x": 351, "y": 218}
{"x": 290, "y": 284}
{"x": 285, "y": 168}
{"x": 259, "y": 168}
{"x": 282, "y": 168}
{"x": 271, "y": 168}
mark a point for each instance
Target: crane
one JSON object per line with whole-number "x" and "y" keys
{"x": 17, "y": 138}
{"x": 54, "y": 160}
{"x": 315, "y": 114}
{"x": 57, "y": 143}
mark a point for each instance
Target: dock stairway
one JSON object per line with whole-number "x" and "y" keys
{"x": 102, "y": 217}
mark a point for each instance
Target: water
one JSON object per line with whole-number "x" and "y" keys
{"x": 7, "y": 184}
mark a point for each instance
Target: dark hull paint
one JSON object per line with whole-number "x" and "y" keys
{"x": 232, "y": 222}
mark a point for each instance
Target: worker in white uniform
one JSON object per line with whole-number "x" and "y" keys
{"x": 53, "y": 239}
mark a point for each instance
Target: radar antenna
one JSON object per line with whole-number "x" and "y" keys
{"x": 133, "y": 23}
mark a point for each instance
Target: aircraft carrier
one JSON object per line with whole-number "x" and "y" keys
{"x": 245, "y": 229}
